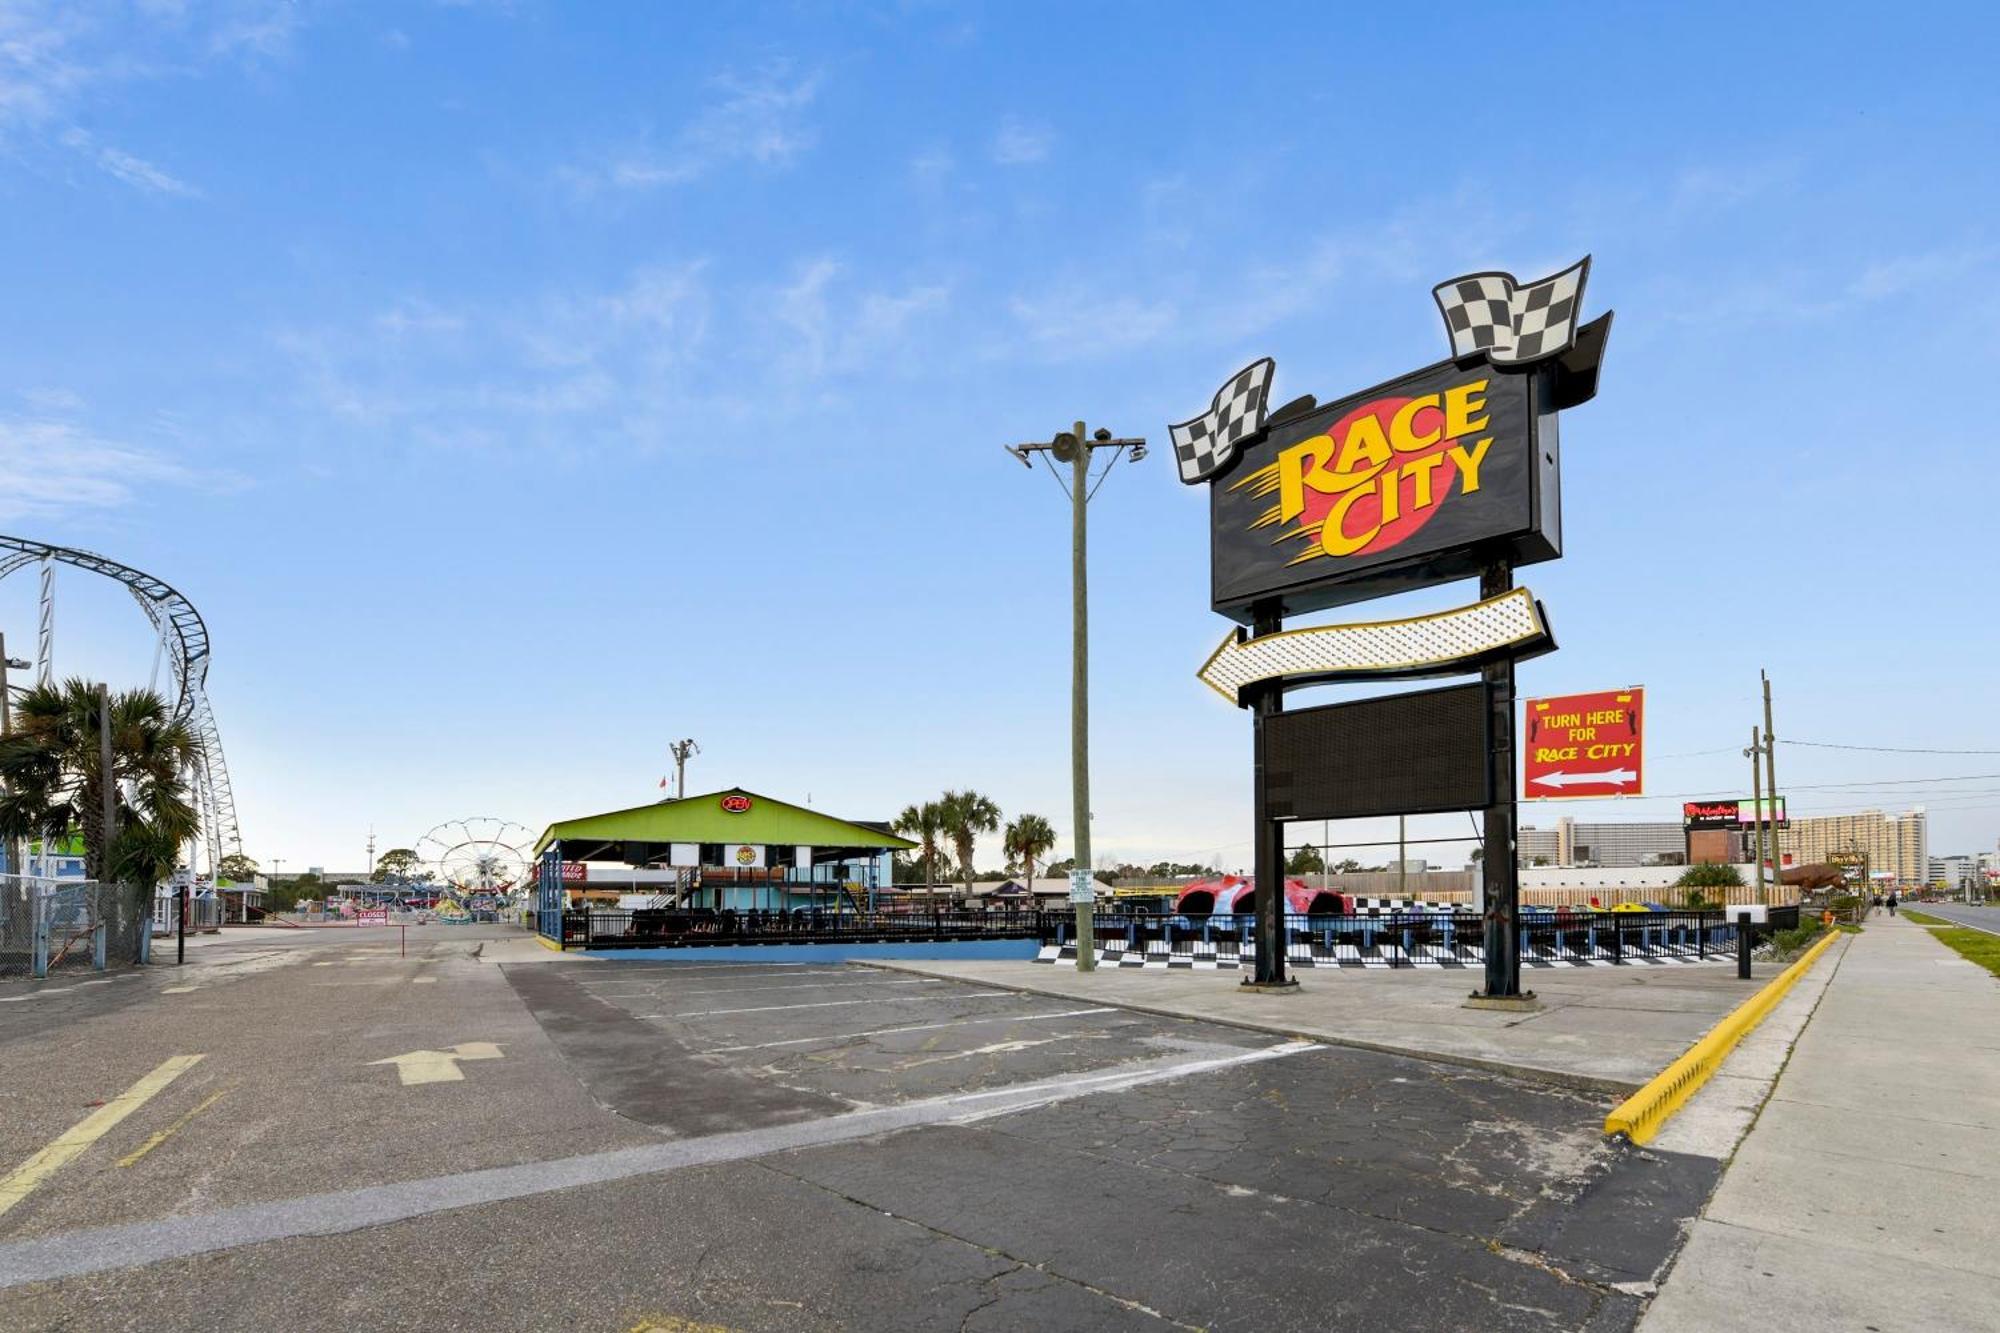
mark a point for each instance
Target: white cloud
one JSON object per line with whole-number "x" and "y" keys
{"x": 835, "y": 336}
{"x": 121, "y": 165}
{"x": 56, "y": 56}
{"x": 1074, "y": 322}
{"x": 54, "y": 467}
{"x": 1905, "y": 273}
{"x": 256, "y": 31}
{"x": 757, "y": 118}
{"x": 1018, "y": 142}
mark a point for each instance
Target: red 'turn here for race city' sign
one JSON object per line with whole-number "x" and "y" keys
{"x": 1578, "y": 745}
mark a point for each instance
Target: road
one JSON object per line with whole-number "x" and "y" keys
{"x": 1979, "y": 918}
{"x": 447, "y": 1141}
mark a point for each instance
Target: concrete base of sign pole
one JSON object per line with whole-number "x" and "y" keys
{"x": 1524, "y": 1003}
{"x": 1289, "y": 986}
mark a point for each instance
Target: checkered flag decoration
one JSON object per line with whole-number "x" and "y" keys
{"x": 1205, "y": 445}
{"x": 1512, "y": 323}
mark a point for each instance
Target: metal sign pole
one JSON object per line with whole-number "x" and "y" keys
{"x": 1501, "y": 865}
{"x": 1268, "y": 864}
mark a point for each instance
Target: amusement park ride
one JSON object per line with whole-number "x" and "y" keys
{"x": 183, "y": 648}
{"x": 478, "y": 865}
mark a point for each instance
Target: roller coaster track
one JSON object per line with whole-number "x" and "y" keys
{"x": 184, "y": 642}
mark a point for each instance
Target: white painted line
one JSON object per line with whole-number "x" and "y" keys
{"x": 991, "y": 1048}
{"x": 1119, "y": 1080}
{"x": 134, "y": 1244}
{"x": 768, "y": 990}
{"x": 834, "y": 1004}
{"x": 912, "y": 1027}
{"x": 792, "y": 970}
{"x": 1956, "y": 922}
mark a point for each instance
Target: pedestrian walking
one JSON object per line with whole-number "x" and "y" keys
{"x": 1892, "y": 902}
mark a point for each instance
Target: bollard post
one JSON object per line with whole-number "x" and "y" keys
{"x": 1743, "y": 946}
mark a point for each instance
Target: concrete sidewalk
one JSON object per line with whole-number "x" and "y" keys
{"x": 1603, "y": 1029}
{"x": 1867, "y": 1196}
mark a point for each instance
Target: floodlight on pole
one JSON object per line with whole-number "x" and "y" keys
{"x": 1075, "y": 448}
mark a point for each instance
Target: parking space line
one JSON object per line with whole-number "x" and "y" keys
{"x": 830, "y": 1004}
{"x": 912, "y": 1027}
{"x": 72, "y": 1143}
{"x": 810, "y": 985}
{"x": 163, "y": 1135}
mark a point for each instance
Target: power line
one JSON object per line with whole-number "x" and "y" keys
{"x": 1877, "y": 749}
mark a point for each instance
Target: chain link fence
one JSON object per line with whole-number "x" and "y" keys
{"x": 54, "y": 926}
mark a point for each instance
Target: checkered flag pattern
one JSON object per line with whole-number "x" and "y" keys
{"x": 1207, "y": 443}
{"x": 1512, "y": 323}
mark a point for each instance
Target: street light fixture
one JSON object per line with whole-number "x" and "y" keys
{"x": 1075, "y": 447}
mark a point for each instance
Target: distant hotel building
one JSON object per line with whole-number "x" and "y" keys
{"x": 1629, "y": 844}
{"x": 1897, "y": 845}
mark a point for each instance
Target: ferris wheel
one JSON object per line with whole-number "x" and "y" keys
{"x": 477, "y": 855}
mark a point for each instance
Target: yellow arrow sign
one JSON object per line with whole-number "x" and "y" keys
{"x": 1439, "y": 642}
{"x": 439, "y": 1066}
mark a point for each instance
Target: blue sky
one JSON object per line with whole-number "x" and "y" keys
{"x": 517, "y": 387}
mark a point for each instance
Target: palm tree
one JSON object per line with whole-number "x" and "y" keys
{"x": 1026, "y": 838}
{"x": 967, "y": 814}
{"x": 52, "y": 772}
{"x": 925, "y": 823}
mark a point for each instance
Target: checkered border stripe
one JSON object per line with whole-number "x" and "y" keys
{"x": 1384, "y": 957}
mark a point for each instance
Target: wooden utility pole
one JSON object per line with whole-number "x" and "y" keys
{"x": 1771, "y": 778}
{"x": 1757, "y": 813}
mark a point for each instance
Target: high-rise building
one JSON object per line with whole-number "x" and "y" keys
{"x": 1897, "y": 845}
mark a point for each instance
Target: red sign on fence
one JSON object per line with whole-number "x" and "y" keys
{"x": 1579, "y": 745}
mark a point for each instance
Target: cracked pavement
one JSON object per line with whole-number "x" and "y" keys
{"x": 1331, "y": 1188}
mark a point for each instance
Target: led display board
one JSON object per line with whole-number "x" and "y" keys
{"x": 1398, "y": 754}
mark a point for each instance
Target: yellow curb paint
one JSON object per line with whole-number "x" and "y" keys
{"x": 675, "y": 1324}
{"x": 548, "y": 944}
{"x": 168, "y": 1132}
{"x": 24, "y": 1178}
{"x": 1640, "y": 1116}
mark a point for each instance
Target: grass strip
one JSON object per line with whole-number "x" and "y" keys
{"x": 1924, "y": 918}
{"x": 1974, "y": 945}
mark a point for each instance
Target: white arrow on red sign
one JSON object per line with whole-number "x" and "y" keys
{"x": 1617, "y": 777}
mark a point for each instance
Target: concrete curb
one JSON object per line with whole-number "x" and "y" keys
{"x": 1559, "y": 1078}
{"x": 1640, "y": 1116}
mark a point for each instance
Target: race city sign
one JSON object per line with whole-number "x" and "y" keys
{"x": 1444, "y": 473}
{"x": 1407, "y": 484}
{"x": 1433, "y": 476}
{"x": 1582, "y": 745}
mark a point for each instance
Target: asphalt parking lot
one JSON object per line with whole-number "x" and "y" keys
{"x": 737, "y": 1146}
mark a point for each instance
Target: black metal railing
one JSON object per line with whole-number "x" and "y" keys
{"x": 1405, "y": 939}
{"x": 694, "y": 927}
{"x": 1394, "y": 939}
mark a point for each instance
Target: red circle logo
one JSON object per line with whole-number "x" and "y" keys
{"x": 736, "y": 804}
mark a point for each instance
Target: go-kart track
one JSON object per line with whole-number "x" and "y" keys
{"x": 490, "y": 1135}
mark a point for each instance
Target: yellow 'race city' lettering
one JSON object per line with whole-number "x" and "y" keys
{"x": 1363, "y": 460}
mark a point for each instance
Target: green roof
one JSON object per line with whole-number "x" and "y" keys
{"x": 704, "y": 819}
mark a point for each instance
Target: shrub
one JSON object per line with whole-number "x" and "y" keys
{"x": 1710, "y": 877}
{"x": 1789, "y": 944}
